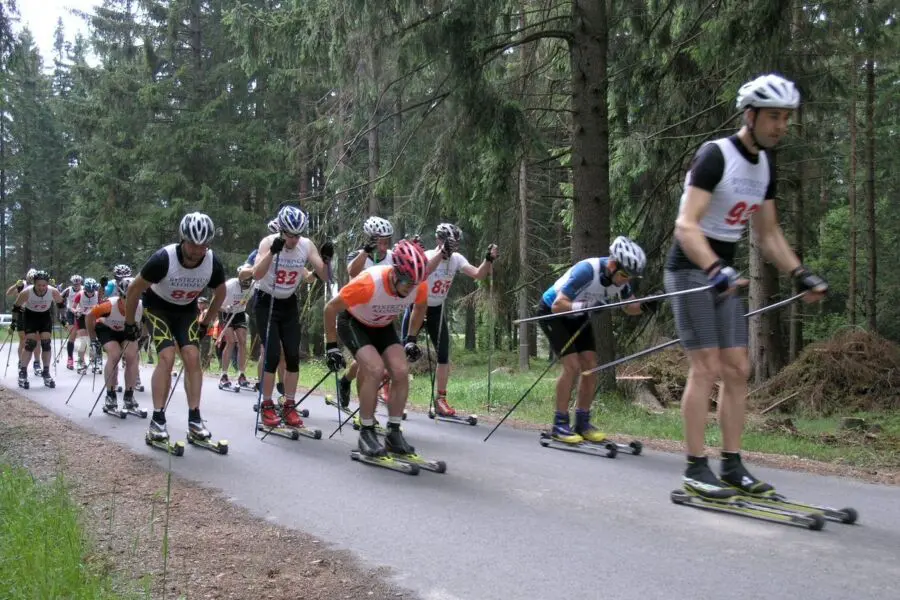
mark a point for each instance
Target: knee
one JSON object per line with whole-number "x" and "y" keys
{"x": 737, "y": 370}
{"x": 191, "y": 357}
{"x": 372, "y": 372}
{"x": 30, "y": 344}
{"x": 46, "y": 345}
{"x": 292, "y": 361}
{"x": 570, "y": 366}
{"x": 705, "y": 370}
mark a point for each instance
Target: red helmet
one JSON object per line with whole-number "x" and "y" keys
{"x": 409, "y": 261}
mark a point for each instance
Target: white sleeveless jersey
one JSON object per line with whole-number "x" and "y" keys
{"x": 234, "y": 297}
{"x": 369, "y": 301}
{"x": 115, "y": 320}
{"x": 291, "y": 263}
{"x": 182, "y": 285}
{"x": 441, "y": 279}
{"x": 85, "y": 302}
{"x": 70, "y": 294}
{"x": 36, "y": 303}
{"x": 738, "y": 195}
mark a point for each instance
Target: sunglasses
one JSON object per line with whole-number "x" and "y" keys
{"x": 404, "y": 279}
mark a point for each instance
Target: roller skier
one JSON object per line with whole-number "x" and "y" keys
{"x": 33, "y": 307}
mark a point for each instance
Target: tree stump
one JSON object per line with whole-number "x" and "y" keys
{"x": 642, "y": 390}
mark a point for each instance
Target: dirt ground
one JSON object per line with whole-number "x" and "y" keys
{"x": 216, "y": 549}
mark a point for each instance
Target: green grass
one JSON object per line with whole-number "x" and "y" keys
{"x": 44, "y": 552}
{"x": 617, "y": 416}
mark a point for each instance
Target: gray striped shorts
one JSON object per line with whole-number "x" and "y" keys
{"x": 702, "y": 320}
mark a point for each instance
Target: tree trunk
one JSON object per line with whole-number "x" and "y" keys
{"x": 851, "y": 192}
{"x": 590, "y": 151}
{"x": 3, "y": 257}
{"x": 796, "y": 325}
{"x": 757, "y": 329}
{"x": 522, "y": 294}
{"x": 872, "y": 241}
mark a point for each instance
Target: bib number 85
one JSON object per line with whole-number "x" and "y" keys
{"x": 441, "y": 287}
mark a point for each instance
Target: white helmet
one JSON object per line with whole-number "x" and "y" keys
{"x": 628, "y": 255}
{"x": 77, "y": 280}
{"x": 292, "y": 220}
{"x": 272, "y": 226}
{"x": 29, "y": 276}
{"x": 378, "y": 227}
{"x": 768, "y": 91}
{"x": 197, "y": 228}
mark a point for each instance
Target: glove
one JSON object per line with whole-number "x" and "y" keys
{"x": 327, "y": 251}
{"x": 20, "y": 283}
{"x": 447, "y": 250}
{"x": 62, "y": 320}
{"x": 334, "y": 358}
{"x": 202, "y": 329}
{"x": 96, "y": 348}
{"x": 369, "y": 247}
{"x": 413, "y": 352}
{"x": 725, "y": 279}
{"x": 808, "y": 281}
{"x": 491, "y": 254}
{"x": 132, "y": 331}
{"x": 277, "y": 245}
{"x": 16, "y": 309}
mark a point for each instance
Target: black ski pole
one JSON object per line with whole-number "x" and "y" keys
{"x": 114, "y": 370}
{"x": 344, "y": 422}
{"x": 174, "y": 385}
{"x": 556, "y": 358}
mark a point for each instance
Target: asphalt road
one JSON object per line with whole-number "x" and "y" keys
{"x": 513, "y": 520}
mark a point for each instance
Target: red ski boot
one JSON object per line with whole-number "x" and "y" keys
{"x": 269, "y": 415}
{"x": 290, "y": 415}
{"x": 442, "y": 408}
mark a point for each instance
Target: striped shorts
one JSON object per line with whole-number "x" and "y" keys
{"x": 703, "y": 320}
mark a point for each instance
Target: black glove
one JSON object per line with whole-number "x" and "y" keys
{"x": 491, "y": 254}
{"x": 62, "y": 320}
{"x": 14, "y": 324}
{"x": 725, "y": 279}
{"x": 334, "y": 358}
{"x": 413, "y": 352}
{"x": 96, "y": 348}
{"x": 447, "y": 250}
{"x": 202, "y": 329}
{"x": 103, "y": 281}
{"x": 132, "y": 332}
{"x": 370, "y": 245}
{"x": 327, "y": 251}
{"x": 808, "y": 281}
{"x": 277, "y": 245}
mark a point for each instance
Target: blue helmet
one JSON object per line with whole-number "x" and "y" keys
{"x": 91, "y": 285}
{"x": 292, "y": 220}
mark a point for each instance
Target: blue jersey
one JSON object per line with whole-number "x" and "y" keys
{"x": 587, "y": 281}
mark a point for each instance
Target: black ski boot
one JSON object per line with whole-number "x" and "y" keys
{"x": 369, "y": 444}
{"x": 395, "y": 443}
{"x": 130, "y": 405}
{"x": 48, "y": 381}
{"x": 735, "y": 474}
{"x": 344, "y": 392}
{"x": 23, "y": 378}
{"x": 38, "y": 372}
{"x": 699, "y": 479}
{"x": 111, "y": 403}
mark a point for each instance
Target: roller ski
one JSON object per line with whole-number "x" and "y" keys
{"x": 357, "y": 425}
{"x": 442, "y": 411}
{"x": 81, "y": 368}
{"x": 48, "y": 381}
{"x": 23, "y": 378}
{"x": 111, "y": 405}
{"x": 226, "y": 386}
{"x": 372, "y": 452}
{"x": 158, "y": 437}
{"x": 130, "y": 405}
{"x": 291, "y": 418}
{"x": 199, "y": 435}
{"x": 398, "y": 448}
{"x": 244, "y": 384}
{"x": 330, "y": 401}
{"x": 270, "y": 422}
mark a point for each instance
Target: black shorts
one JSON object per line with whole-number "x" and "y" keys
{"x": 37, "y": 322}
{"x": 79, "y": 322}
{"x": 238, "y": 321}
{"x": 107, "y": 335}
{"x": 70, "y": 317}
{"x": 559, "y": 330}
{"x": 169, "y": 327}
{"x": 435, "y": 325}
{"x": 355, "y": 334}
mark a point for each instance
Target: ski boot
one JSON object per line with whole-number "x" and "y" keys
{"x": 199, "y": 435}
{"x": 357, "y": 424}
{"x": 344, "y": 392}
{"x": 561, "y": 431}
{"x": 734, "y": 473}
{"x": 244, "y": 383}
{"x": 290, "y": 415}
{"x": 586, "y": 429}
{"x": 131, "y": 406}
{"x": 81, "y": 369}
{"x": 699, "y": 480}
{"x": 442, "y": 408}
{"x": 111, "y": 405}
{"x": 23, "y": 378}
{"x": 395, "y": 443}
{"x": 226, "y": 385}
{"x": 269, "y": 415}
{"x": 158, "y": 432}
{"x": 96, "y": 366}
{"x": 369, "y": 444}
{"x": 38, "y": 372}
{"x": 48, "y": 381}
{"x": 70, "y": 364}
{"x": 198, "y": 431}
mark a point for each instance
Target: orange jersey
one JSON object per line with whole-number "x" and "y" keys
{"x": 369, "y": 300}
{"x": 112, "y": 313}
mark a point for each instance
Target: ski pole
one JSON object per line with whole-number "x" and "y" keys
{"x": 77, "y": 383}
{"x": 8, "y": 337}
{"x": 344, "y": 422}
{"x": 664, "y": 345}
{"x": 430, "y": 371}
{"x": 491, "y": 308}
{"x": 264, "y": 352}
{"x": 114, "y": 370}
{"x": 541, "y": 376}
{"x": 174, "y": 385}
{"x": 569, "y": 313}
{"x": 8, "y": 355}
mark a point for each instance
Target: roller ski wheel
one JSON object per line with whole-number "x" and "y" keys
{"x": 386, "y": 462}
{"x": 111, "y": 408}
{"x": 435, "y": 466}
{"x": 750, "y": 507}
{"x": 176, "y": 449}
{"x": 458, "y": 419}
{"x": 847, "y": 516}
{"x": 219, "y": 447}
{"x": 606, "y": 449}
{"x": 285, "y": 432}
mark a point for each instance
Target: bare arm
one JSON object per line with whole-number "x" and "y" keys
{"x": 21, "y": 298}
{"x": 263, "y": 259}
{"x": 135, "y": 291}
{"x": 417, "y": 318}
{"x": 317, "y": 263}
{"x": 357, "y": 265}
{"x": 771, "y": 238}
{"x": 687, "y": 228}
{"x": 11, "y": 290}
{"x": 332, "y": 308}
{"x": 218, "y": 299}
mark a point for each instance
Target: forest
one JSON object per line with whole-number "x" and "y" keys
{"x": 546, "y": 126}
